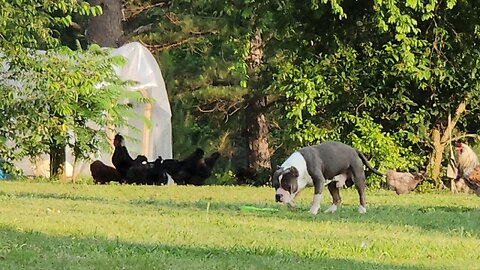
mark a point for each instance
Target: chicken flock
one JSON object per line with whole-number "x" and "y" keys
{"x": 468, "y": 167}
{"x": 196, "y": 168}
{"x": 192, "y": 170}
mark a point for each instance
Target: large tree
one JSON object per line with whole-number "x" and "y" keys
{"x": 106, "y": 30}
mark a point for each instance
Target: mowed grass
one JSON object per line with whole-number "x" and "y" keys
{"x": 68, "y": 226}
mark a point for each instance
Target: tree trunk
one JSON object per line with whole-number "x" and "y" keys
{"x": 437, "y": 155}
{"x": 257, "y": 132}
{"x": 57, "y": 162}
{"x": 106, "y": 29}
{"x": 440, "y": 141}
{"x": 256, "y": 121}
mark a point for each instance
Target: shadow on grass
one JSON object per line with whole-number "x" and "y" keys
{"x": 34, "y": 250}
{"x": 60, "y": 196}
{"x": 458, "y": 220}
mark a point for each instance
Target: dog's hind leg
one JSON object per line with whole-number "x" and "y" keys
{"x": 359, "y": 179}
{"x": 336, "y": 200}
{"x": 360, "y": 185}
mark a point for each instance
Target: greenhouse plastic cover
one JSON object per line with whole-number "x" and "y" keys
{"x": 152, "y": 141}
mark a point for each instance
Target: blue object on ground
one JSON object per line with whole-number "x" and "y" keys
{"x": 3, "y": 175}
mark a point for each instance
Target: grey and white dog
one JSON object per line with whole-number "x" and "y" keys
{"x": 329, "y": 163}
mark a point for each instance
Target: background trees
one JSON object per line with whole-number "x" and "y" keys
{"x": 257, "y": 79}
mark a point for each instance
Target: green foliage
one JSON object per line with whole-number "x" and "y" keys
{"x": 30, "y": 23}
{"x": 206, "y": 102}
{"x": 65, "y": 98}
{"x": 225, "y": 178}
{"x": 426, "y": 187}
{"x": 381, "y": 78}
{"x": 323, "y": 107}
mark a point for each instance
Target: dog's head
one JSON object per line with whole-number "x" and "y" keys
{"x": 285, "y": 182}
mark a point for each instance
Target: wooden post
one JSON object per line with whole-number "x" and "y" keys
{"x": 147, "y": 113}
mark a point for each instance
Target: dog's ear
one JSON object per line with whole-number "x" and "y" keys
{"x": 275, "y": 176}
{"x": 294, "y": 171}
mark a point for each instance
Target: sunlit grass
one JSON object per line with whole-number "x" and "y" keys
{"x": 45, "y": 226}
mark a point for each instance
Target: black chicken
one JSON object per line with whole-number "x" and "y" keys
{"x": 103, "y": 174}
{"x": 121, "y": 159}
{"x": 204, "y": 169}
{"x": 193, "y": 170}
{"x": 147, "y": 173}
{"x": 182, "y": 171}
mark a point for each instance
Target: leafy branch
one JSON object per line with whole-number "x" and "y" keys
{"x": 180, "y": 42}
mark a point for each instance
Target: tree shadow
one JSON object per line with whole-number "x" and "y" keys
{"x": 59, "y": 196}
{"x": 458, "y": 220}
{"x": 35, "y": 250}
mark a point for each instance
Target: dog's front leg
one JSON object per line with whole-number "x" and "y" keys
{"x": 318, "y": 183}
{"x": 291, "y": 204}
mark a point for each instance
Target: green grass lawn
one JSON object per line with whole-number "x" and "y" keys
{"x": 68, "y": 226}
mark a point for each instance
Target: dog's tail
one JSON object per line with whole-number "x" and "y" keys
{"x": 365, "y": 161}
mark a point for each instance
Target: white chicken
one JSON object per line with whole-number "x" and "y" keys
{"x": 468, "y": 167}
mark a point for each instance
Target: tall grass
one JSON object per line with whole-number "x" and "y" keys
{"x": 67, "y": 226}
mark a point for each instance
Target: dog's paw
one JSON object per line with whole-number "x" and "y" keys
{"x": 362, "y": 210}
{"x": 291, "y": 205}
{"x": 314, "y": 210}
{"x": 331, "y": 209}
